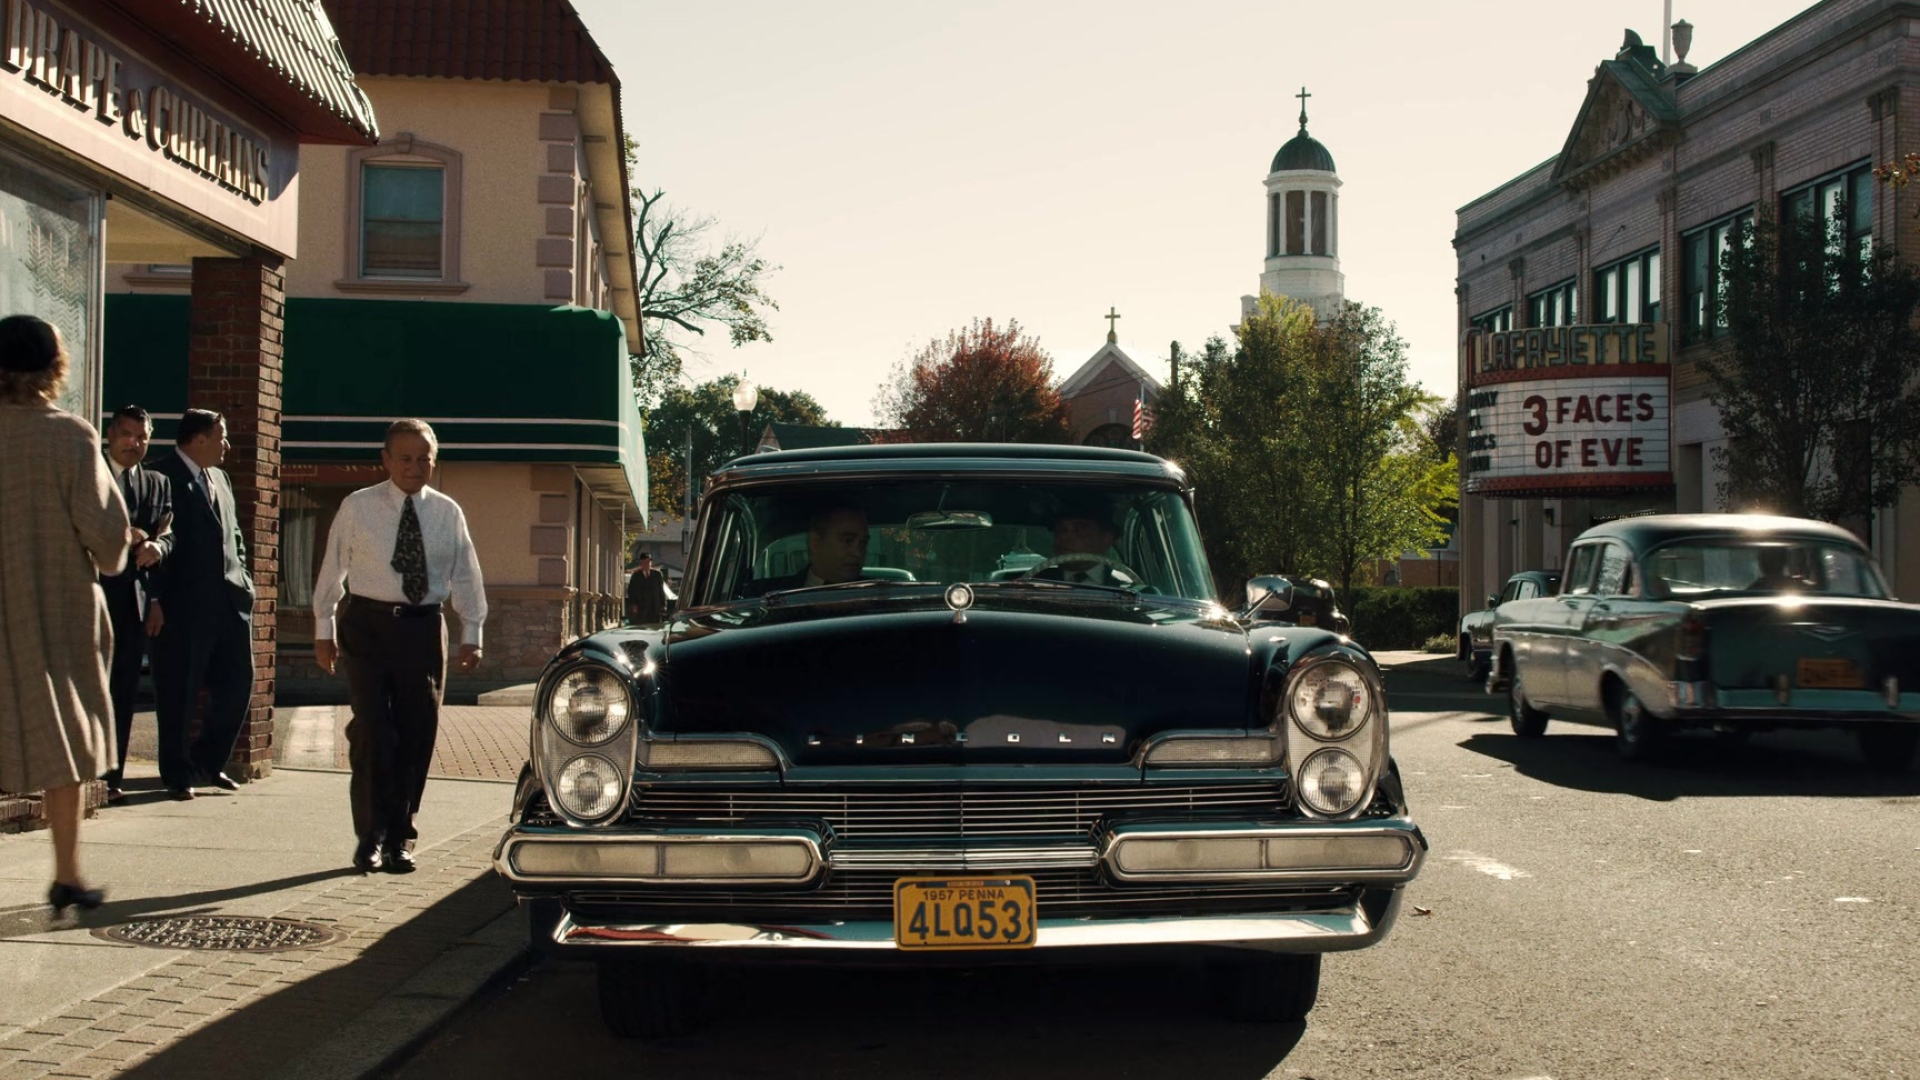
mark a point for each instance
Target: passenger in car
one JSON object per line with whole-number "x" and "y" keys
{"x": 836, "y": 550}
{"x": 1776, "y": 572}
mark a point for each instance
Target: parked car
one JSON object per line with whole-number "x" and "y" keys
{"x": 1011, "y": 768}
{"x": 1476, "y": 627}
{"x": 1735, "y": 622}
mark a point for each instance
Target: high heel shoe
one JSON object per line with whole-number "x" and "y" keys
{"x": 62, "y": 896}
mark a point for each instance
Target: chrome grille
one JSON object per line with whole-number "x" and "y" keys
{"x": 918, "y": 814}
{"x": 1059, "y": 893}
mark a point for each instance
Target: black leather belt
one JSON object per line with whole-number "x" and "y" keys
{"x": 397, "y": 611}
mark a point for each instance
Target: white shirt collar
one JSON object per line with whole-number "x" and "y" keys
{"x": 399, "y": 498}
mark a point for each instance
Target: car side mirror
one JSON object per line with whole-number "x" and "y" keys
{"x": 1269, "y": 596}
{"x": 1493, "y": 600}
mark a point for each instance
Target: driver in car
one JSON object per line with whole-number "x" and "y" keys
{"x": 836, "y": 550}
{"x": 1083, "y": 534}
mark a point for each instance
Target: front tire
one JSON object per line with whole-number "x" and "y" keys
{"x": 1639, "y": 734}
{"x": 1270, "y": 988}
{"x": 1889, "y": 748}
{"x": 644, "y": 999}
{"x": 1528, "y": 722}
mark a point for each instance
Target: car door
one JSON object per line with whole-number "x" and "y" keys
{"x": 1546, "y": 674}
{"x": 1600, "y": 614}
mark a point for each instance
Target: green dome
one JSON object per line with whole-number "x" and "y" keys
{"x": 1303, "y": 151}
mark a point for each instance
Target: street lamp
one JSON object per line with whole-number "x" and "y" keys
{"x": 745, "y": 397}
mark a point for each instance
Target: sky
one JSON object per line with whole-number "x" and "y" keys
{"x": 912, "y": 166}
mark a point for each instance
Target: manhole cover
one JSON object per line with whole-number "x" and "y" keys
{"x": 225, "y": 933}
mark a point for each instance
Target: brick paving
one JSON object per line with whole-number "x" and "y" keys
{"x": 479, "y": 742}
{"x": 218, "y": 1014}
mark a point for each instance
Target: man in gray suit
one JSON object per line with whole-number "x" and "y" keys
{"x": 204, "y": 595}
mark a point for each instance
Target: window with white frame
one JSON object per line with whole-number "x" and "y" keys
{"x": 1628, "y": 291}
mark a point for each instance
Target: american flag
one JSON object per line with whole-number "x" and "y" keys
{"x": 1142, "y": 419}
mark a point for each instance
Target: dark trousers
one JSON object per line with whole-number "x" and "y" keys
{"x": 396, "y": 672}
{"x": 211, "y": 650}
{"x": 123, "y": 672}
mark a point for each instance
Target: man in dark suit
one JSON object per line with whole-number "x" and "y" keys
{"x": 836, "y": 550}
{"x": 203, "y": 594}
{"x": 647, "y": 594}
{"x": 149, "y": 499}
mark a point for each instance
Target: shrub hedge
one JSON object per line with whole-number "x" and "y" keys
{"x": 1400, "y": 617}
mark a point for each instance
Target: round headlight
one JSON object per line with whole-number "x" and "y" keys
{"x": 590, "y": 705}
{"x": 589, "y": 787}
{"x": 1330, "y": 701}
{"x": 1332, "y": 781}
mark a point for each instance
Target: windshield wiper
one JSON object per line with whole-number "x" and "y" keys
{"x": 781, "y": 596}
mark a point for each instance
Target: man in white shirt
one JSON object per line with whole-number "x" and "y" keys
{"x": 397, "y": 552}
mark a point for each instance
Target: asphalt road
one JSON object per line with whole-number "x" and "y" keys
{"x": 1740, "y": 912}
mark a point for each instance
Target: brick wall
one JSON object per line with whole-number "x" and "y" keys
{"x": 234, "y": 367}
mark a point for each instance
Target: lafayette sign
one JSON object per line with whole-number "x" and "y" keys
{"x": 75, "y": 86}
{"x": 1568, "y": 411}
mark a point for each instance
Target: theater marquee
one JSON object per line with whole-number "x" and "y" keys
{"x": 1568, "y": 411}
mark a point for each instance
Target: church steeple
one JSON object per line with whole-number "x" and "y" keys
{"x": 1303, "y": 224}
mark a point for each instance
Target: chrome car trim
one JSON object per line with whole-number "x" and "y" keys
{"x": 1346, "y": 927}
{"x": 1400, "y": 829}
{"x": 781, "y": 762}
{"x": 518, "y": 837}
{"x": 1153, "y": 742}
{"x": 965, "y": 860}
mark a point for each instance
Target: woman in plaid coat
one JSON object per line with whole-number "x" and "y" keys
{"x": 62, "y": 524}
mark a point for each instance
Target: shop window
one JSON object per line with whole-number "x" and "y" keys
{"x": 403, "y": 217}
{"x": 1628, "y": 291}
{"x": 1499, "y": 320}
{"x": 1553, "y": 306}
{"x": 1702, "y": 282}
{"x": 50, "y": 265}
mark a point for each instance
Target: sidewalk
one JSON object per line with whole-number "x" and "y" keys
{"x": 406, "y": 948}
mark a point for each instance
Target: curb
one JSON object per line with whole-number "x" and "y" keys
{"x": 401, "y": 1021}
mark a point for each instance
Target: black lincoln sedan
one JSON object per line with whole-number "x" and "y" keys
{"x": 958, "y": 704}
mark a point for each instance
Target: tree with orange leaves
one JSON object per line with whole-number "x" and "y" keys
{"x": 988, "y": 382}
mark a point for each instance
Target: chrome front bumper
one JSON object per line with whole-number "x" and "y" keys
{"x": 1361, "y": 917}
{"x": 1354, "y": 927}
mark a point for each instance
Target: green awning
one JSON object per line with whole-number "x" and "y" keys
{"x": 499, "y": 382}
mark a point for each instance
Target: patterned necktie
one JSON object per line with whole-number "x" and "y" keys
{"x": 410, "y": 555}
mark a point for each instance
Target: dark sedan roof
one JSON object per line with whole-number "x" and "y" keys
{"x": 908, "y": 459}
{"x": 1641, "y": 533}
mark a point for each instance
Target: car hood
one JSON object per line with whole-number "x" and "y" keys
{"x": 911, "y": 684}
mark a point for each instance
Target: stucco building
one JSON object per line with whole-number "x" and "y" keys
{"x": 472, "y": 268}
{"x": 1584, "y": 284}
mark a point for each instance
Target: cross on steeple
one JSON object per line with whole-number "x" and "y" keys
{"x": 1303, "y": 96}
{"x": 1110, "y": 316}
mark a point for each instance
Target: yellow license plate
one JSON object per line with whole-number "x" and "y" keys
{"x": 1306, "y": 619}
{"x": 1829, "y": 674}
{"x": 963, "y": 913}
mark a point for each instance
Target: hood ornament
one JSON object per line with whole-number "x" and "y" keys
{"x": 959, "y": 597}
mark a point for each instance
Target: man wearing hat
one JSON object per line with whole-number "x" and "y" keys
{"x": 647, "y": 594}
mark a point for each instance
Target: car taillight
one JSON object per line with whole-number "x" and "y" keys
{"x": 1693, "y": 639}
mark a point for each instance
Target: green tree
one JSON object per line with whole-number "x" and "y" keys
{"x": 1817, "y": 376}
{"x": 1382, "y": 488}
{"x": 985, "y": 383}
{"x": 1305, "y": 447}
{"x": 705, "y": 413}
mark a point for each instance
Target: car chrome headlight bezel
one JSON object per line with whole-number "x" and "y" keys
{"x": 1312, "y": 741}
{"x": 561, "y": 751}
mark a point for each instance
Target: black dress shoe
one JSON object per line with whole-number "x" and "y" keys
{"x": 224, "y": 782}
{"x": 399, "y": 861}
{"x": 116, "y": 797}
{"x": 367, "y": 857}
{"x": 65, "y": 896}
{"x": 180, "y": 794}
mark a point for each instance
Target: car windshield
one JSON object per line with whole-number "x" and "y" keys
{"x": 1112, "y": 536}
{"x": 1694, "y": 567}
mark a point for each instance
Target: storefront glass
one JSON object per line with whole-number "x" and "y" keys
{"x": 50, "y": 266}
